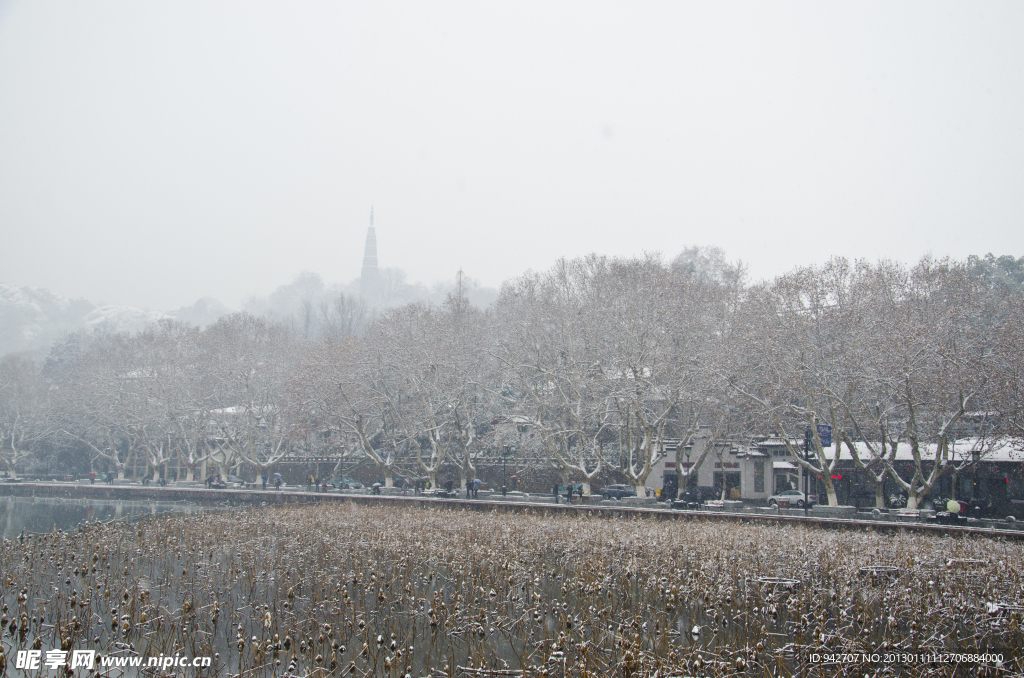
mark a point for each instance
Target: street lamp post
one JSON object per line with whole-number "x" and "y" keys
{"x": 807, "y": 458}
{"x": 507, "y": 450}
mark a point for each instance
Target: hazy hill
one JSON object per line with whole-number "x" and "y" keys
{"x": 32, "y": 318}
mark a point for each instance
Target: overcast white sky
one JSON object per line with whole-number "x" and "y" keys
{"x": 154, "y": 153}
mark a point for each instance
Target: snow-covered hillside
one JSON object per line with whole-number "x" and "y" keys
{"x": 32, "y": 318}
{"x": 122, "y": 318}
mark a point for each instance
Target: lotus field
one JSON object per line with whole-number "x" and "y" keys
{"x": 340, "y": 590}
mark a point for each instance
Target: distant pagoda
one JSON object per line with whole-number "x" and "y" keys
{"x": 368, "y": 278}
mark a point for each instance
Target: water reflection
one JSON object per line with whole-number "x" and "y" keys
{"x": 44, "y": 515}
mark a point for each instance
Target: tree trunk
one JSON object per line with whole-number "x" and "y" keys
{"x": 830, "y": 491}
{"x": 880, "y": 495}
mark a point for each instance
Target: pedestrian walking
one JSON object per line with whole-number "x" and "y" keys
{"x": 568, "y": 493}
{"x": 554, "y": 491}
{"x": 264, "y": 479}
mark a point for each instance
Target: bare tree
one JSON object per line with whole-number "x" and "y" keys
{"x": 887, "y": 356}
{"x": 254, "y": 359}
{"x": 24, "y": 410}
{"x": 433, "y": 384}
{"x": 99, "y": 402}
{"x": 342, "y": 316}
{"x": 1008, "y": 353}
{"x": 181, "y": 386}
{"x": 787, "y": 353}
{"x": 337, "y": 393}
{"x": 930, "y": 370}
{"x": 607, "y": 359}
{"x": 549, "y": 351}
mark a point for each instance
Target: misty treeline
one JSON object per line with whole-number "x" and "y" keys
{"x": 316, "y": 310}
{"x": 590, "y": 366}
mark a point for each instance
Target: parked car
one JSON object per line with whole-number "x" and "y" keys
{"x": 346, "y": 483}
{"x": 234, "y": 481}
{"x": 618, "y": 491}
{"x": 794, "y": 497}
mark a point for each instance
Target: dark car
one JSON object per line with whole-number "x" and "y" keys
{"x": 346, "y": 483}
{"x": 618, "y": 491}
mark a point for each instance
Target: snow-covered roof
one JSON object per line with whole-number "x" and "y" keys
{"x": 236, "y": 409}
{"x": 1005, "y": 450}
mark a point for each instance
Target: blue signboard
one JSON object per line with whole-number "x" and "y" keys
{"x": 825, "y": 435}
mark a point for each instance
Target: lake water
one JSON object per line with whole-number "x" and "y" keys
{"x": 43, "y": 515}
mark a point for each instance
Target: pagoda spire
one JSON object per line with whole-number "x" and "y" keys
{"x": 368, "y": 278}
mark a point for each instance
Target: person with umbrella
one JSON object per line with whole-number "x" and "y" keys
{"x": 476, "y": 486}
{"x": 277, "y": 481}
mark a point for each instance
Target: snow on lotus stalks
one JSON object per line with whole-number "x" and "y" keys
{"x": 390, "y": 591}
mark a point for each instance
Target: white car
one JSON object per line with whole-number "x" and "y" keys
{"x": 794, "y": 497}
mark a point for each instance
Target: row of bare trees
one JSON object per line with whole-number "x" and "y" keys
{"x": 170, "y": 393}
{"x": 595, "y": 364}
